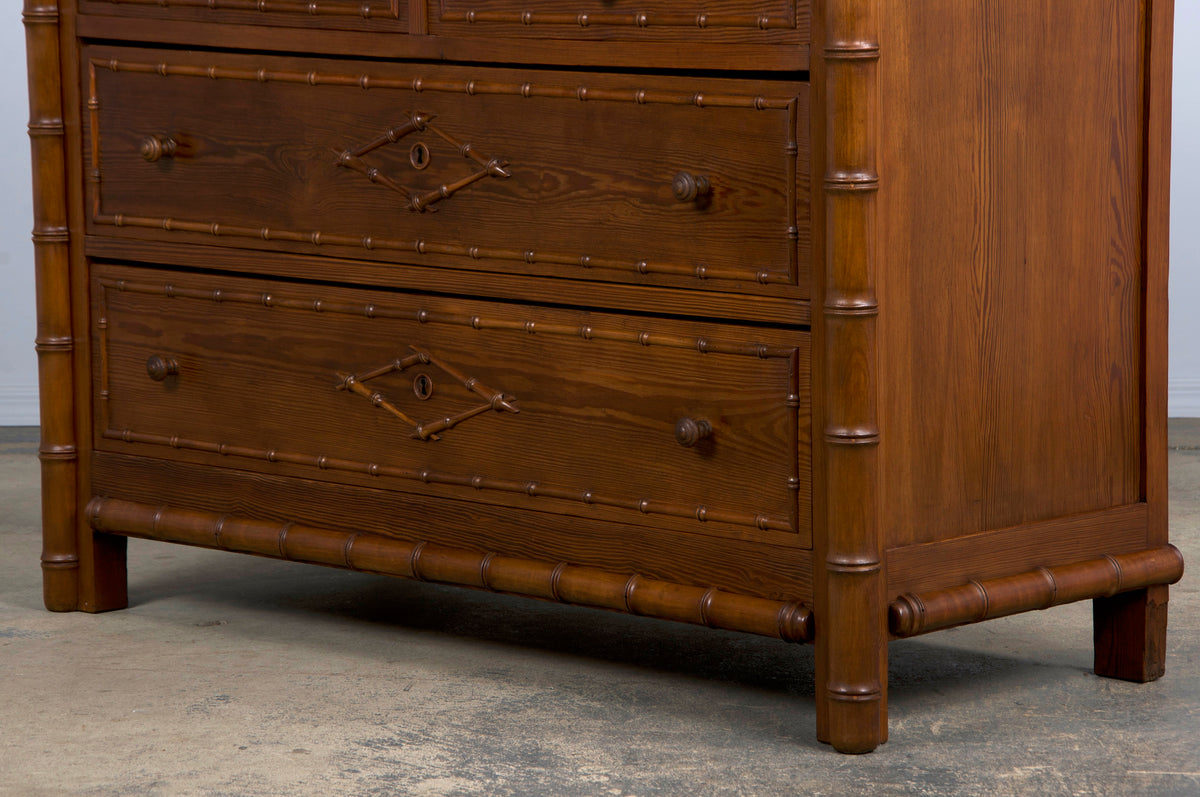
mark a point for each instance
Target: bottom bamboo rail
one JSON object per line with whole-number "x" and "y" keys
{"x": 790, "y": 621}
{"x": 912, "y": 614}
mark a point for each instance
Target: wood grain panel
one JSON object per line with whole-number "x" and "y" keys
{"x": 748, "y": 568}
{"x": 763, "y": 21}
{"x": 1012, "y": 288}
{"x": 385, "y": 16}
{"x": 580, "y": 410}
{"x": 997, "y": 553}
{"x": 606, "y": 296}
{"x": 549, "y": 580}
{"x": 292, "y": 165}
{"x": 610, "y": 55}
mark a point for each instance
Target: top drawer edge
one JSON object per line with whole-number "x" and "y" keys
{"x": 733, "y": 34}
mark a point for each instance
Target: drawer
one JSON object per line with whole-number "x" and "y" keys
{"x": 759, "y": 21}
{"x": 700, "y": 21}
{"x": 648, "y": 421}
{"x": 386, "y": 16}
{"x": 680, "y": 181}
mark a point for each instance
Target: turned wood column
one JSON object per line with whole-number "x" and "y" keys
{"x": 55, "y": 345}
{"x": 851, "y": 635}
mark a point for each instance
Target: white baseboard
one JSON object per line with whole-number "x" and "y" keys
{"x": 18, "y": 405}
{"x": 1183, "y": 398}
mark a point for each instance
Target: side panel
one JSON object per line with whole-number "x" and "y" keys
{"x": 1012, "y": 296}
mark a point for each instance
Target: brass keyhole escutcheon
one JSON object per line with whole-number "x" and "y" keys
{"x": 423, "y": 386}
{"x": 419, "y": 156}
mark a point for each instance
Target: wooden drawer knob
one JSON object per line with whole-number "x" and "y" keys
{"x": 690, "y": 187}
{"x": 689, "y": 432}
{"x": 159, "y": 368}
{"x": 158, "y": 147}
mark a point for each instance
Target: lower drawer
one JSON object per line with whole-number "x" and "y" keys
{"x": 651, "y": 421}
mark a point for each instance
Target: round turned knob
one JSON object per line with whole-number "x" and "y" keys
{"x": 690, "y": 187}
{"x": 689, "y": 432}
{"x": 159, "y": 369}
{"x": 158, "y": 147}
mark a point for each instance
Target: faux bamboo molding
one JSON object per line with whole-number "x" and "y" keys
{"x": 418, "y": 84}
{"x": 496, "y": 400}
{"x": 913, "y": 614}
{"x": 55, "y": 346}
{"x": 701, "y": 345}
{"x": 470, "y": 87}
{"x": 422, "y": 246}
{"x": 533, "y": 489}
{"x": 364, "y": 9}
{"x": 626, "y": 19}
{"x": 789, "y": 621}
{"x": 421, "y": 202}
{"x": 852, "y": 648}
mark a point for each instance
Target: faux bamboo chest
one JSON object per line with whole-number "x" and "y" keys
{"x": 835, "y": 321}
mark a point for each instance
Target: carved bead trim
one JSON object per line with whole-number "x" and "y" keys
{"x": 470, "y": 87}
{"x": 701, "y": 345}
{"x": 643, "y": 506}
{"x": 640, "y": 20}
{"x": 390, "y": 9}
{"x": 424, "y": 247}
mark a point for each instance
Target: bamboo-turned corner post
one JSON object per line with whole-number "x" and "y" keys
{"x": 79, "y": 571}
{"x": 851, "y": 631}
{"x": 55, "y": 346}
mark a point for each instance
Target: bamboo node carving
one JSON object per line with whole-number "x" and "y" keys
{"x": 911, "y": 614}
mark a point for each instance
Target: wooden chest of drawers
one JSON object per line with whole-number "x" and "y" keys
{"x": 836, "y": 322}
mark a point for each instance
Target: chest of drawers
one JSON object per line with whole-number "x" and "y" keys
{"x": 836, "y": 322}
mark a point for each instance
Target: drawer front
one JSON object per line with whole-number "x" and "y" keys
{"x": 761, "y": 21}
{"x": 645, "y": 180}
{"x": 387, "y": 16}
{"x": 699, "y": 21}
{"x": 647, "y": 421}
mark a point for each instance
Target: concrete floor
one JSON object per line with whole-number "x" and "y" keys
{"x": 231, "y": 675}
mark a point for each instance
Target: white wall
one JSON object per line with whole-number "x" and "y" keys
{"x": 18, "y": 364}
{"x": 1184, "y": 368}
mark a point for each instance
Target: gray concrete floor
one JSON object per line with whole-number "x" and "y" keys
{"x": 231, "y": 675}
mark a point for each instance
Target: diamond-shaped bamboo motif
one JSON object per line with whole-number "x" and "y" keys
{"x": 420, "y": 202}
{"x": 496, "y": 400}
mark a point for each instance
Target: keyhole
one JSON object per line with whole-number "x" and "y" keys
{"x": 419, "y": 156}
{"x": 423, "y": 386}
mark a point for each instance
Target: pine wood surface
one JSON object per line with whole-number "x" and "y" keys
{"x": 1031, "y": 284}
{"x": 268, "y": 380}
{"x": 275, "y": 174}
{"x": 836, "y": 321}
{"x": 762, "y": 22}
{"x": 753, "y": 568}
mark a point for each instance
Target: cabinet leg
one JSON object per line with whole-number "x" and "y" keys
{"x": 1131, "y": 634}
{"x": 852, "y": 717}
{"x": 102, "y": 578}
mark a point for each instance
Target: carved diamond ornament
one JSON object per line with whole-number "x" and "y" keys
{"x": 421, "y": 201}
{"x": 423, "y": 388}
